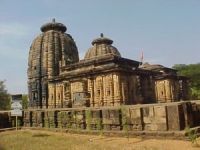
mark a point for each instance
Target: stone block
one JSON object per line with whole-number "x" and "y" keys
{"x": 160, "y": 117}
{"x": 111, "y": 116}
{"x": 40, "y": 119}
{"x": 175, "y": 117}
{"x": 64, "y": 119}
{"x": 80, "y": 117}
{"x": 188, "y": 114}
{"x": 154, "y": 118}
{"x": 148, "y": 114}
{"x": 160, "y": 111}
{"x": 111, "y": 119}
{"x": 93, "y": 119}
{"x": 136, "y": 115}
{"x": 27, "y": 118}
{"x": 73, "y": 119}
{"x": 132, "y": 118}
{"x": 51, "y": 119}
{"x": 111, "y": 127}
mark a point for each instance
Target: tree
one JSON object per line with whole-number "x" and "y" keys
{"x": 4, "y": 97}
{"x": 193, "y": 72}
{"x": 25, "y": 101}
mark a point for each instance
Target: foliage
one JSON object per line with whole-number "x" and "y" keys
{"x": 193, "y": 72}
{"x": 4, "y": 97}
{"x": 192, "y": 135}
{"x": 24, "y": 101}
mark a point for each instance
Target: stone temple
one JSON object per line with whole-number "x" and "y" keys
{"x": 58, "y": 79}
{"x": 103, "y": 91}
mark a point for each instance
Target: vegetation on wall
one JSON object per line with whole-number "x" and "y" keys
{"x": 193, "y": 72}
{"x": 4, "y": 97}
{"x": 24, "y": 101}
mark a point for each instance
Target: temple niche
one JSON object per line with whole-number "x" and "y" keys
{"x": 58, "y": 79}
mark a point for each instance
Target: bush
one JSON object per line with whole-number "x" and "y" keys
{"x": 192, "y": 135}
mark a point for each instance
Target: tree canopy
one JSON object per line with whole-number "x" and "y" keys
{"x": 193, "y": 72}
{"x": 24, "y": 101}
{"x": 4, "y": 97}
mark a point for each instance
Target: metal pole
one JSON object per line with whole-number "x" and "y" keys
{"x": 16, "y": 122}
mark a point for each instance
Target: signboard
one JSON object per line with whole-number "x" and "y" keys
{"x": 17, "y": 97}
{"x": 16, "y": 105}
{"x": 16, "y": 112}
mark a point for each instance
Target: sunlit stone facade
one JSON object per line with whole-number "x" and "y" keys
{"x": 58, "y": 79}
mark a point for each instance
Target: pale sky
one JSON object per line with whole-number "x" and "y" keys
{"x": 167, "y": 31}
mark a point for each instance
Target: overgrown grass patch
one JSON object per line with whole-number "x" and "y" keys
{"x": 40, "y": 140}
{"x": 46, "y": 140}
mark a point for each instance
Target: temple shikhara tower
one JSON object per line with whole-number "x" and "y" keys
{"x": 58, "y": 79}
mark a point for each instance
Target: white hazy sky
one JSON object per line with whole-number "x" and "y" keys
{"x": 167, "y": 31}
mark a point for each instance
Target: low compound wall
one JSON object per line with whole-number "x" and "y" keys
{"x": 5, "y": 119}
{"x": 148, "y": 117}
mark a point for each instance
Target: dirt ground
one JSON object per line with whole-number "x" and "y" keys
{"x": 46, "y": 140}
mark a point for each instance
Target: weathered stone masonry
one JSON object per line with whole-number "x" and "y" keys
{"x": 57, "y": 79}
{"x": 147, "y": 117}
{"x": 101, "y": 90}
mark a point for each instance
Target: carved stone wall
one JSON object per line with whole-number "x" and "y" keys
{"x": 113, "y": 89}
{"x": 167, "y": 90}
{"x": 66, "y": 94}
{"x": 104, "y": 90}
{"x": 52, "y": 96}
{"x": 147, "y": 84}
{"x": 77, "y": 86}
{"x": 57, "y": 79}
{"x": 56, "y": 95}
{"x": 59, "y": 95}
{"x": 109, "y": 89}
{"x": 50, "y": 51}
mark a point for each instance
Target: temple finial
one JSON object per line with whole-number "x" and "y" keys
{"x": 101, "y": 34}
